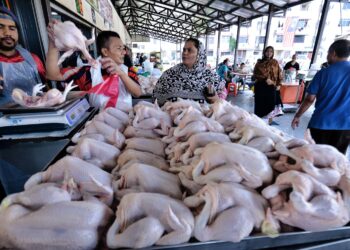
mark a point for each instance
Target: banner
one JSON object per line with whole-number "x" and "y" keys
{"x": 106, "y": 10}
{"x": 93, "y": 3}
{"x": 289, "y": 31}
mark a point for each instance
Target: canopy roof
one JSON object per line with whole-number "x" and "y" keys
{"x": 176, "y": 20}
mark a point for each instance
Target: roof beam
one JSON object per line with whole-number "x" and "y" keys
{"x": 149, "y": 17}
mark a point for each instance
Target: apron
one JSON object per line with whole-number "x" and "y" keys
{"x": 23, "y": 75}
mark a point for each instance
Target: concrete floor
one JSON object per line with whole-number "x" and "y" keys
{"x": 245, "y": 100}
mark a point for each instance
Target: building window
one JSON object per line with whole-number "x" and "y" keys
{"x": 210, "y": 53}
{"x": 134, "y": 45}
{"x": 210, "y": 40}
{"x": 344, "y": 22}
{"x": 304, "y": 7}
{"x": 346, "y": 6}
{"x": 225, "y": 53}
{"x": 225, "y": 39}
{"x": 279, "y": 38}
{"x": 243, "y": 39}
{"x": 302, "y": 23}
{"x": 261, "y": 25}
{"x": 260, "y": 39}
{"x": 299, "y": 39}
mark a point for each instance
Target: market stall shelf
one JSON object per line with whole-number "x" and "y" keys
{"x": 296, "y": 240}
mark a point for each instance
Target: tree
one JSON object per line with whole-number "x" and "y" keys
{"x": 232, "y": 44}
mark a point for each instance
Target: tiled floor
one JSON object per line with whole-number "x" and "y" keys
{"x": 245, "y": 99}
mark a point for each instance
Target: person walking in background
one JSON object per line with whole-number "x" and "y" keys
{"x": 147, "y": 65}
{"x": 268, "y": 77}
{"x": 223, "y": 71}
{"x": 141, "y": 59}
{"x": 330, "y": 87}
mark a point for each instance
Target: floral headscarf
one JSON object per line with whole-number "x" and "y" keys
{"x": 268, "y": 68}
{"x": 180, "y": 81}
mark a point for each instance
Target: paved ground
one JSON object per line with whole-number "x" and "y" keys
{"x": 245, "y": 99}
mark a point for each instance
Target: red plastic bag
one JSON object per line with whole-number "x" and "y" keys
{"x": 108, "y": 88}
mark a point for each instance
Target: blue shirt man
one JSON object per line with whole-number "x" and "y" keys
{"x": 330, "y": 122}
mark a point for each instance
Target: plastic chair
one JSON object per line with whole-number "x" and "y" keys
{"x": 232, "y": 88}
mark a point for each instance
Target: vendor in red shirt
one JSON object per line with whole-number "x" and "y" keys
{"x": 18, "y": 67}
{"x": 112, "y": 51}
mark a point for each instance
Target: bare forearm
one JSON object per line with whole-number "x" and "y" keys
{"x": 52, "y": 69}
{"x": 305, "y": 106}
{"x": 131, "y": 86}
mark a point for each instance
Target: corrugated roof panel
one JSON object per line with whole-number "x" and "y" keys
{"x": 220, "y": 5}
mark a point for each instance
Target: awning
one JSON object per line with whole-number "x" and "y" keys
{"x": 176, "y": 20}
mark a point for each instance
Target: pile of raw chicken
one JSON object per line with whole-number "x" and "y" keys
{"x": 160, "y": 176}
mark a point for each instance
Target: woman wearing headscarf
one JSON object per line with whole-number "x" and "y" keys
{"x": 190, "y": 78}
{"x": 268, "y": 78}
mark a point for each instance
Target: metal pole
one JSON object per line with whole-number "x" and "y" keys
{"x": 268, "y": 26}
{"x": 161, "y": 54}
{"x": 206, "y": 42}
{"x": 237, "y": 40}
{"x": 218, "y": 47}
{"x": 320, "y": 31}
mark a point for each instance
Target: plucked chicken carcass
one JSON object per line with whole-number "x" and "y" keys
{"x": 323, "y": 162}
{"x": 110, "y": 120}
{"x": 118, "y": 114}
{"x": 44, "y": 217}
{"x": 95, "y": 152}
{"x": 131, "y": 132}
{"x": 145, "y": 178}
{"x": 62, "y": 225}
{"x": 132, "y": 156}
{"x": 230, "y": 211}
{"x": 69, "y": 38}
{"x": 230, "y": 160}
{"x": 94, "y": 129}
{"x": 151, "y": 117}
{"x": 199, "y": 140}
{"x": 155, "y": 146}
{"x": 91, "y": 181}
{"x": 37, "y": 196}
{"x": 248, "y": 129}
{"x": 145, "y": 219}
{"x": 50, "y": 98}
{"x": 311, "y": 205}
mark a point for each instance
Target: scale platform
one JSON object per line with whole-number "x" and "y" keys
{"x": 19, "y": 120}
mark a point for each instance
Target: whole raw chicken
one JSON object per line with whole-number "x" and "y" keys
{"x": 311, "y": 206}
{"x": 232, "y": 162}
{"x": 69, "y": 38}
{"x": 91, "y": 181}
{"x": 145, "y": 178}
{"x": 44, "y": 217}
{"x": 102, "y": 132}
{"x": 99, "y": 153}
{"x": 323, "y": 162}
{"x": 61, "y": 225}
{"x": 50, "y": 98}
{"x": 230, "y": 211}
{"x": 144, "y": 219}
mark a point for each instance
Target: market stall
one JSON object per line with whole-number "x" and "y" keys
{"x": 179, "y": 161}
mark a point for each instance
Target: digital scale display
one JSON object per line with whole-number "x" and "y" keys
{"x": 74, "y": 114}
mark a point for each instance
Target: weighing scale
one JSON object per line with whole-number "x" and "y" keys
{"x": 19, "y": 120}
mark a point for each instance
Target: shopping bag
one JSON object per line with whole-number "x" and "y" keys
{"x": 105, "y": 94}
